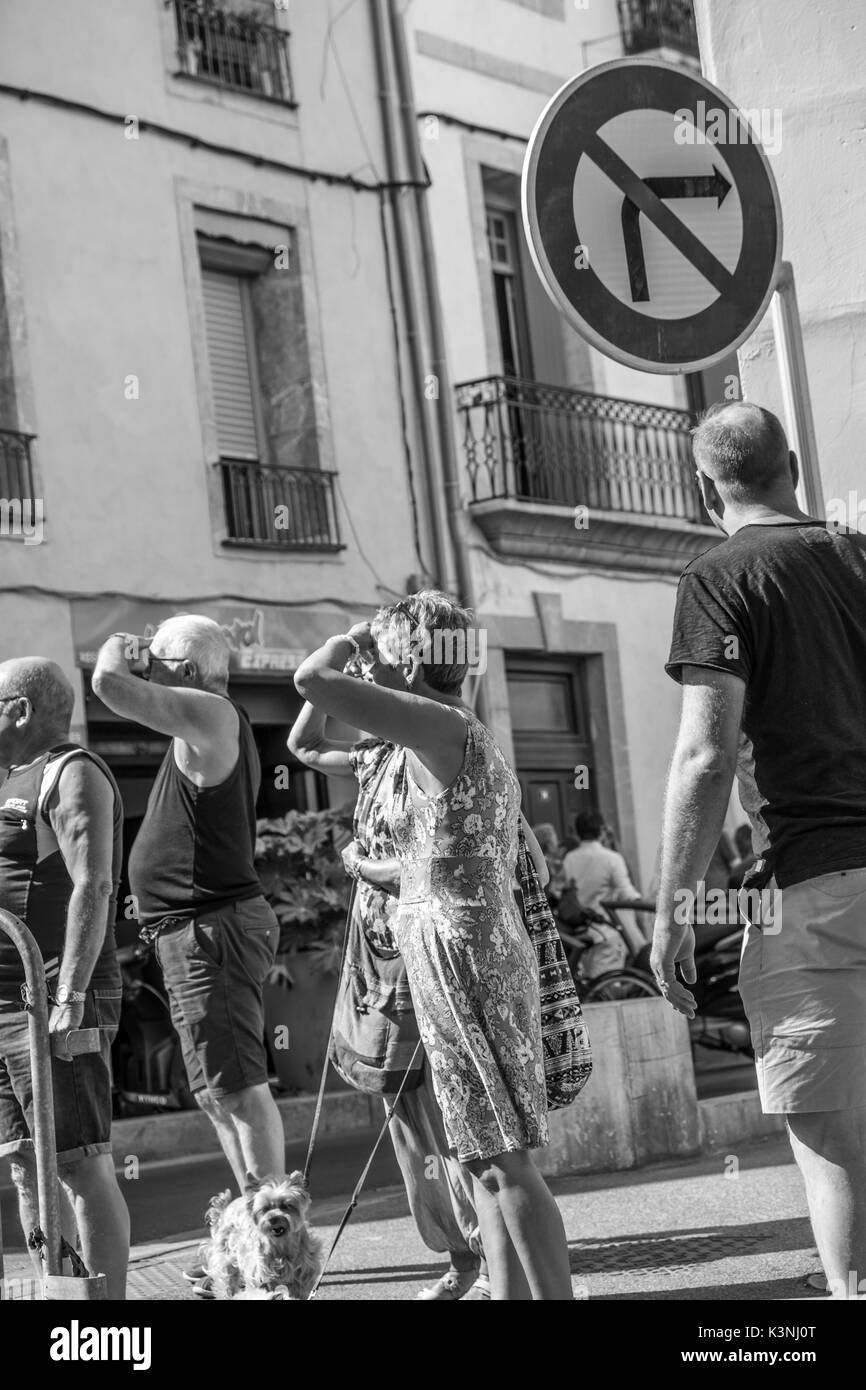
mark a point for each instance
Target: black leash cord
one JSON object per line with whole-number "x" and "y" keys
{"x": 314, "y": 1132}
{"x": 353, "y": 1202}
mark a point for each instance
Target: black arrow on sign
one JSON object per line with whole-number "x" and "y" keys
{"x": 713, "y": 185}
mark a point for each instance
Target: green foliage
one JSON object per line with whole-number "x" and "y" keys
{"x": 304, "y": 880}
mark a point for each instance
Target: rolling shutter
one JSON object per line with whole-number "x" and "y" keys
{"x": 228, "y": 351}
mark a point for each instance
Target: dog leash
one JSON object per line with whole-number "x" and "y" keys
{"x": 353, "y": 1201}
{"x": 314, "y": 1132}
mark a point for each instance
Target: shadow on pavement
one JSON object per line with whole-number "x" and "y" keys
{"x": 697, "y": 1245}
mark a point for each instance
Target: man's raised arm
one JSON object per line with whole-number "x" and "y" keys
{"x": 199, "y": 717}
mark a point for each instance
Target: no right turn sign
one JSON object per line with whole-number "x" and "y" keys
{"x": 652, "y": 215}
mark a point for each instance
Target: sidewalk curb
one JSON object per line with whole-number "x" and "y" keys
{"x": 735, "y": 1120}
{"x": 724, "y": 1121}
{"x": 189, "y": 1133}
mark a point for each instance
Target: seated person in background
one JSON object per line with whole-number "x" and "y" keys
{"x": 598, "y": 873}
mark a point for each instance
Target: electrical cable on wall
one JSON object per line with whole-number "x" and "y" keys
{"x": 259, "y": 161}
{"x": 598, "y": 572}
{"x": 472, "y": 127}
{"x": 77, "y": 595}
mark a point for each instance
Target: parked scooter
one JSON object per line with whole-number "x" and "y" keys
{"x": 147, "y": 1064}
{"x": 720, "y": 1021}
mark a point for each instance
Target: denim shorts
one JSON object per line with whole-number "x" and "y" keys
{"x": 82, "y": 1087}
{"x": 214, "y": 967}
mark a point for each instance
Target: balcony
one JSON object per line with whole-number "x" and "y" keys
{"x": 536, "y": 453}
{"x": 237, "y": 51}
{"x": 16, "y": 473}
{"x": 648, "y": 25}
{"x": 279, "y": 508}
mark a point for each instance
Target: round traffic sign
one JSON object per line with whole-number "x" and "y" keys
{"x": 652, "y": 215}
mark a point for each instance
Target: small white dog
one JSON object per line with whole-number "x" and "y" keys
{"x": 261, "y": 1246}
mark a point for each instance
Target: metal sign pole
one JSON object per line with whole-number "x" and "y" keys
{"x": 795, "y": 390}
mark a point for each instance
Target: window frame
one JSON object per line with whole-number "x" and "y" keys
{"x": 243, "y": 264}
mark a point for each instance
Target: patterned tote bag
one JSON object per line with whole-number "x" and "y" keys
{"x": 567, "y": 1051}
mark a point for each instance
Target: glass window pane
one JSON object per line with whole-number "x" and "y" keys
{"x": 541, "y": 703}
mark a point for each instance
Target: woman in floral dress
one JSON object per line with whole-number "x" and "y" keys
{"x": 471, "y": 965}
{"x": 442, "y": 1200}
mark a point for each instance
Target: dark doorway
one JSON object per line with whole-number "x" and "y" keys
{"x": 550, "y": 726}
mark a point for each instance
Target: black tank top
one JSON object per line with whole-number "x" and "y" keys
{"x": 196, "y": 845}
{"x": 34, "y": 883}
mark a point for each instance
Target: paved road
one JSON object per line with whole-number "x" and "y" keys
{"x": 171, "y": 1197}
{"x": 729, "y": 1227}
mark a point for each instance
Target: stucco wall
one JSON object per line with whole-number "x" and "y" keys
{"x": 102, "y": 281}
{"x": 808, "y": 60}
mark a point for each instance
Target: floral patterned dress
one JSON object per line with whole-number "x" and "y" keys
{"x": 471, "y": 965}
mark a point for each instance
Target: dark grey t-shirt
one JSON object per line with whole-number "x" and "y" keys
{"x": 784, "y": 608}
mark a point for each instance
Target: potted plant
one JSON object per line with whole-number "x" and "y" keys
{"x": 304, "y": 881}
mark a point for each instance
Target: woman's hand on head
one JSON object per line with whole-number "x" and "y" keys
{"x": 363, "y": 635}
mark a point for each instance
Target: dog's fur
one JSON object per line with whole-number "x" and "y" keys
{"x": 261, "y": 1246}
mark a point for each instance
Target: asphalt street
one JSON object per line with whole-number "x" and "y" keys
{"x": 729, "y": 1226}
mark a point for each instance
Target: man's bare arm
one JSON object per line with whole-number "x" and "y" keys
{"x": 699, "y": 787}
{"x": 310, "y": 746}
{"x": 199, "y": 718}
{"x": 81, "y": 814}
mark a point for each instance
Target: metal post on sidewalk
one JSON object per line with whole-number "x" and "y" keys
{"x": 795, "y": 389}
{"x": 56, "y": 1285}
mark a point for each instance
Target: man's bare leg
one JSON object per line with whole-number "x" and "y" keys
{"x": 23, "y": 1171}
{"x": 102, "y": 1217}
{"x": 250, "y": 1130}
{"x": 226, "y": 1133}
{"x": 830, "y": 1149}
{"x": 258, "y": 1126}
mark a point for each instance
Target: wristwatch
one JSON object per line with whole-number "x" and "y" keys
{"x": 65, "y": 995}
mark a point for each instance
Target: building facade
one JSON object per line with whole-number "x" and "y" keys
{"x": 199, "y": 374}
{"x": 577, "y": 475}
{"x": 260, "y": 360}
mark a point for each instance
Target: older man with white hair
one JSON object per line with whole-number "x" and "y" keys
{"x": 61, "y": 822}
{"x": 191, "y": 871}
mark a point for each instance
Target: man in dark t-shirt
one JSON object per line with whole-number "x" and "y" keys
{"x": 769, "y": 645}
{"x": 191, "y": 872}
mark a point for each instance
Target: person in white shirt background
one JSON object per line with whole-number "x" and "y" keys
{"x": 598, "y": 873}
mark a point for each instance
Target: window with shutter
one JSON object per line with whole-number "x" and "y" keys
{"x": 230, "y": 352}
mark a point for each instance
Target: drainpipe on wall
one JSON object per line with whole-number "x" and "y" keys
{"x": 458, "y": 522}
{"x": 437, "y": 524}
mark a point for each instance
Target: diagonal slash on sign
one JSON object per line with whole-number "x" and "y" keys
{"x": 661, "y": 216}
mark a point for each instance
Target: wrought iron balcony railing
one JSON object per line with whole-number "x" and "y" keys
{"x": 535, "y": 443}
{"x": 16, "y": 472}
{"x": 648, "y": 24}
{"x": 233, "y": 49}
{"x": 279, "y": 508}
